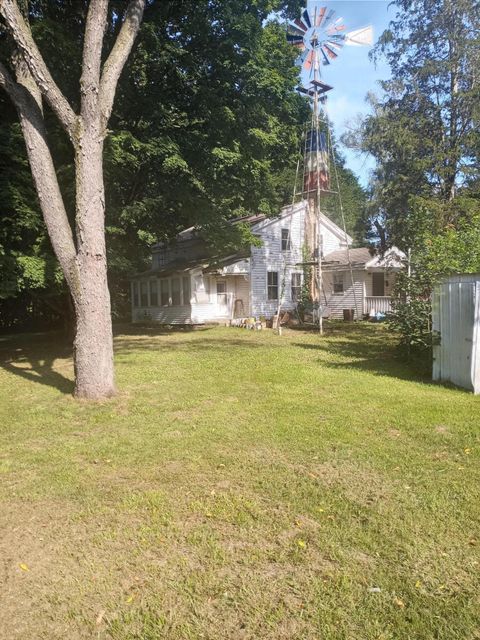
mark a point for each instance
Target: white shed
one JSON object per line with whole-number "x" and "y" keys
{"x": 456, "y": 321}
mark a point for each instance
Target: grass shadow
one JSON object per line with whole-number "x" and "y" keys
{"x": 32, "y": 358}
{"x": 366, "y": 348}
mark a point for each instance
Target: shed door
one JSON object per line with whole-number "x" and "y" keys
{"x": 378, "y": 284}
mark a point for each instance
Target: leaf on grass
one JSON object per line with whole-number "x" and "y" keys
{"x": 301, "y": 543}
{"x": 400, "y": 603}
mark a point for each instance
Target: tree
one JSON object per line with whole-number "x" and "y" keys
{"x": 424, "y": 131}
{"x": 82, "y": 255}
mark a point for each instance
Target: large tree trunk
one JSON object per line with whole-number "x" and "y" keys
{"x": 93, "y": 346}
{"x": 84, "y": 262}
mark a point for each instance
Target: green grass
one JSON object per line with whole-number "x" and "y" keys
{"x": 240, "y": 486}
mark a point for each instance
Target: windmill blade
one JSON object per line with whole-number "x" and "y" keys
{"x": 294, "y": 39}
{"x": 360, "y": 37}
{"x": 325, "y": 61}
{"x": 301, "y": 58}
{"x": 298, "y": 23}
{"x": 307, "y": 65}
{"x": 320, "y": 16}
{"x": 330, "y": 15}
{"x": 334, "y": 45}
{"x": 330, "y": 52}
{"x": 336, "y": 26}
{"x": 337, "y": 37}
{"x": 306, "y": 18}
{"x": 293, "y": 30}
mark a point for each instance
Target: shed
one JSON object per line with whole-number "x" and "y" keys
{"x": 456, "y": 321}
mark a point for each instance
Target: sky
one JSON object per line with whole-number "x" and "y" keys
{"x": 352, "y": 74}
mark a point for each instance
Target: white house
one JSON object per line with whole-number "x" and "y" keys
{"x": 188, "y": 285}
{"x": 373, "y": 281}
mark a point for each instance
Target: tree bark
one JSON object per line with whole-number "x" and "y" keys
{"x": 93, "y": 346}
{"x": 84, "y": 262}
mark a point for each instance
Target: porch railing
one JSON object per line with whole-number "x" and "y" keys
{"x": 378, "y": 304}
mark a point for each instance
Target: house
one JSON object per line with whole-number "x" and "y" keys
{"x": 187, "y": 284}
{"x": 373, "y": 281}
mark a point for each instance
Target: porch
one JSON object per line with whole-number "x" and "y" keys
{"x": 377, "y": 304}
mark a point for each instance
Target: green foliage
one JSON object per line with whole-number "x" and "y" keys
{"x": 436, "y": 253}
{"x": 206, "y": 127}
{"x": 423, "y": 131}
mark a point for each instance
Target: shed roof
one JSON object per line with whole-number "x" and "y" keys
{"x": 340, "y": 257}
{"x": 206, "y": 263}
{"x": 364, "y": 258}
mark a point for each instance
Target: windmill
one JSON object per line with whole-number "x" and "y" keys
{"x": 319, "y": 36}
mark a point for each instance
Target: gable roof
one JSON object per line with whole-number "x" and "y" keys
{"x": 364, "y": 258}
{"x": 302, "y": 206}
{"x": 260, "y": 221}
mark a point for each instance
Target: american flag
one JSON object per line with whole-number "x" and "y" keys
{"x": 314, "y": 174}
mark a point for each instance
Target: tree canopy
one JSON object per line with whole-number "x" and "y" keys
{"x": 423, "y": 132}
{"x": 206, "y": 126}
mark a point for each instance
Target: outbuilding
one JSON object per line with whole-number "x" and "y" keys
{"x": 456, "y": 327}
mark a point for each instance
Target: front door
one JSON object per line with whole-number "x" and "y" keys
{"x": 222, "y": 301}
{"x": 378, "y": 284}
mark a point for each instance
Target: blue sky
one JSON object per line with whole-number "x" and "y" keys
{"x": 353, "y": 75}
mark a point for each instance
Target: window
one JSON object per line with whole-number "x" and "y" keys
{"x": 286, "y": 243}
{"x": 135, "y": 294}
{"x": 222, "y": 298}
{"x": 144, "y": 294}
{"x": 153, "y": 293}
{"x": 164, "y": 293}
{"x": 176, "y": 292}
{"x": 187, "y": 294}
{"x": 296, "y": 287}
{"x": 378, "y": 283}
{"x": 338, "y": 283}
{"x": 272, "y": 285}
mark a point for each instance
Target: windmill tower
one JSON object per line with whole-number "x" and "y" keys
{"x": 319, "y": 35}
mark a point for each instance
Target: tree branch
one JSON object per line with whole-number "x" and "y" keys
{"x": 118, "y": 56}
{"x": 92, "y": 57}
{"x": 26, "y": 97}
{"x": 20, "y": 31}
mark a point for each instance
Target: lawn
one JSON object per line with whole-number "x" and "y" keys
{"x": 240, "y": 486}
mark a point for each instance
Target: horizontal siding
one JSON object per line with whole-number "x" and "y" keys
{"x": 164, "y": 315}
{"x": 270, "y": 257}
{"x": 337, "y": 302}
{"x": 242, "y": 292}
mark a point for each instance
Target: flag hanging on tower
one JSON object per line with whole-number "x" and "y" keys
{"x": 316, "y": 149}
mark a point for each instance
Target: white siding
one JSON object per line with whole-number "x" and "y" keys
{"x": 270, "y": 257}
{"x": 242, "y": 292}
{"x": 247, "y": 279}
{"x": 331, "y": 241}
{"x": 164, "y": 315}
{"x": 351, "y": 298}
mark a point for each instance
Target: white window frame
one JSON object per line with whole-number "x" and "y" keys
{"x": 297, "y": 275}
{"x": 338, "y": 279}
{"x": 287, "y": 240}
{"x": 269, "y": 286}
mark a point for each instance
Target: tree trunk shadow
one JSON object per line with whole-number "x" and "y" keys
{"x": 34, "y": 361}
